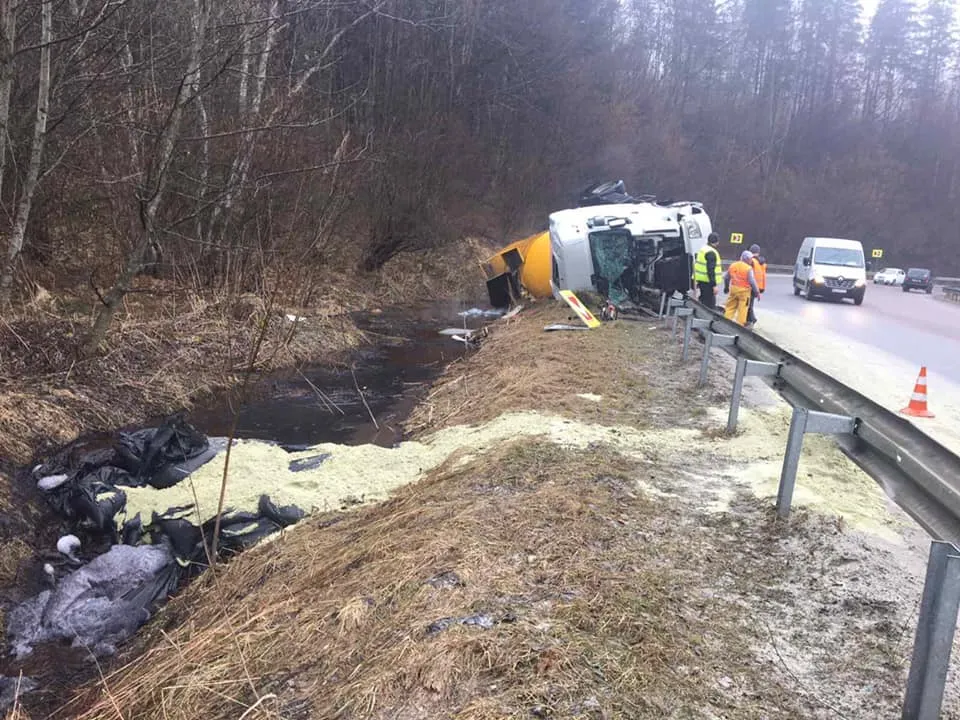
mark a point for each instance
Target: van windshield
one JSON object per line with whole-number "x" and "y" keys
{"x": 846, "y": 257}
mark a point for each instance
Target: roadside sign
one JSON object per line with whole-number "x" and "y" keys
{"x": 574, "y": 302}
{"x": 877, "y": 253}
{"x": 736, "y": 238}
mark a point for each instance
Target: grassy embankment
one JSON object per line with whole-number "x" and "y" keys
{"x": 167, "y": 349}
{"x": 618, "y": 557}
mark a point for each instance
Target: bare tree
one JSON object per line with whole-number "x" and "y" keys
{"x": 152, "y": 191}
{"x": 15, "y": 241}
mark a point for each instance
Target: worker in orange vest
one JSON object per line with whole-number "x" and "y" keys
{"x": 740, "y": 282}
{"x": 760, "y": 273}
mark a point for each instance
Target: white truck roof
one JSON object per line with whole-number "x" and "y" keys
{"x": 644, "y": 218}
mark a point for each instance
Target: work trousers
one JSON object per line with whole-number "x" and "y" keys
{"x": 707, "y": 297}
{"x": 751, "y": 315}
{"x": 738, "y": 304}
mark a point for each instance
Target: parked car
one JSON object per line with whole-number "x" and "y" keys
{"x": 890, "y": 276}
{"x": 918, "y": 279}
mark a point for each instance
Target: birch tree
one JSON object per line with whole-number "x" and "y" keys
{"x": 15, "y": 240}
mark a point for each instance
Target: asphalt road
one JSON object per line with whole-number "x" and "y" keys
{"x": 916, "y": 327}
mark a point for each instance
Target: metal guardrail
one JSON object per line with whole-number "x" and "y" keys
{"x": 945, "y": 282}
{"x": 920, "y": 475}
{"x": 923, "y": 475}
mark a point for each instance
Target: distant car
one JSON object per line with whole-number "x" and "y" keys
{"x": 890, "y": 276}
{"x": 918, "y": 279}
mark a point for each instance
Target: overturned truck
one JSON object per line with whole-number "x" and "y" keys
{"x": 612, "y": 243}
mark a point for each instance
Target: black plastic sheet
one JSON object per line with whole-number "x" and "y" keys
{"x": 106, "y": 600}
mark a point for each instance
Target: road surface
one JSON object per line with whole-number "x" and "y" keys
{"x": 915, "y": 327}
{"x": 877, "y": 348}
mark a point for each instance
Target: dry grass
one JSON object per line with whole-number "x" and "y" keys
{"x": 595, "y": 616}
{"x": 14, "y": 553}
{"x": 159, "y": 356}
{"x": 453, "y": 273}
{"x": 606, "y": 602}
{"x": 519, "y": 366}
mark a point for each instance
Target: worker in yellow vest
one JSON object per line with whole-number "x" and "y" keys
{"x": 740, "y": 284}
{"x": 707, "y": 271}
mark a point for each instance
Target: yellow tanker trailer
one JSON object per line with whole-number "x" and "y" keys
{"x": 522, "y": 264}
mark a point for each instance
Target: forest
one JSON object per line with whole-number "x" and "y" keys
{"x": 217, "y": 143}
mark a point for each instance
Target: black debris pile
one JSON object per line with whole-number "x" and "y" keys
{"x": 97, "y": 599}
{"x": 99, "y": 604}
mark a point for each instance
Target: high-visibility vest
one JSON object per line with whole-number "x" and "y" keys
{"x": 700, "y": 270}
{"x": 740, "y": 274}
{"x": 760, "y": 273}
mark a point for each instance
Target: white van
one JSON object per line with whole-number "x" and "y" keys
{"x": 830, "y": 267}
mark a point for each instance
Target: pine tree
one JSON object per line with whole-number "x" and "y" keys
{"x": 936, "y": 44}
{"x": 891, "y": 59}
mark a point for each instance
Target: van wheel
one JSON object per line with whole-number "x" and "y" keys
{"x": 929, "y": 291}
{"x": 796, "y": 288}
{"x": 858, "y": 300}
{"x": 906, "y": 289}
{"x": 809, "y": 293}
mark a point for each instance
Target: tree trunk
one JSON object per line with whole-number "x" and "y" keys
{"x": 15, "y": 241}
{"x": 154, "y": 189}
{"x": 8, "y": 33}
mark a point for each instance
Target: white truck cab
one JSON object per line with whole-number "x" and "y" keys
{"x": 830, "y": 267}
{"x": 620, "y": 248}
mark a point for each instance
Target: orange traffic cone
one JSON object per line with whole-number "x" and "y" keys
{"x": 918, "y": 401}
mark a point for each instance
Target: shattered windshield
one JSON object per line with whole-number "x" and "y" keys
{"x": 845, "y": 257}
{"x": 619, "y": 261}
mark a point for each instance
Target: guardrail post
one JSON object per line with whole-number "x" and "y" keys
{"x": 663, "y": 304}
{"x": 680, "y": 312}
{"x": 712, "y": 339}
{"x": 806, "y": 421}
{"x": 936, "y": 625}
{"x": 693, "y": 323}
{"x": 672, "y": 304}
{"x": 746, "y": 368}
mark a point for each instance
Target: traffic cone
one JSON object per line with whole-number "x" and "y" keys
{"x": 918, "y": 401}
